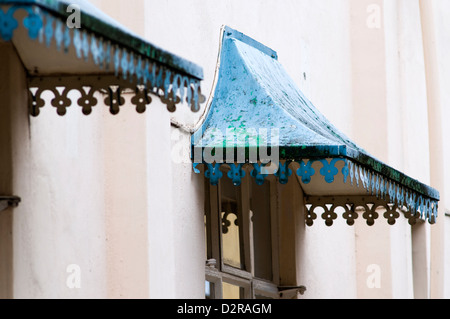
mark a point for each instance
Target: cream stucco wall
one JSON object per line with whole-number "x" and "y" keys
{"x": 434, "y": 42}
{"x": 194, "y": 33}
{"x": 57, "y": 172}
{"x": 117, "y": 196}
{"x": 362, "y": 63}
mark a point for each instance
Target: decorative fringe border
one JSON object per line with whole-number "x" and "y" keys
{"x": 375, "y": 184}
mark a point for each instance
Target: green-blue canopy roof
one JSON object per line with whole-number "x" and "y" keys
{"x": 253, "y": 92}
{"x": 100, "y": 40}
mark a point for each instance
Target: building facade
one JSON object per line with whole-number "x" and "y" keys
{"x": 111, "y": 206}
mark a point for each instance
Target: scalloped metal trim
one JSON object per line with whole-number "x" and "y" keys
{"x": 355, "y": 207}
{"x": 376, "y": 185}
{"x": 171, "y": 86}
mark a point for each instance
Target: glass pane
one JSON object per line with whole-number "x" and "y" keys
{"x": 232, "y": 292}
{"x": 209, "y": 290}
{"x": 207, "y": 241}
{"x": 231, "y": 242}
{"x": 231, "y": 230}
{"x": 262, "y": 230}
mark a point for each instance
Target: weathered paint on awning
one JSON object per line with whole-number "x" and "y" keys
{"x": 100, "y": 47}
{"x": 254, "y": 97}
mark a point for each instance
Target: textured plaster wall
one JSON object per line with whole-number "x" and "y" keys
{"x": 60, "y": 224}
{"x": 116, "y": 196}
{"x": 319, "y": 62}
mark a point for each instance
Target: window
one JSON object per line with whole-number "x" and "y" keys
{"x": 240, "y": 231}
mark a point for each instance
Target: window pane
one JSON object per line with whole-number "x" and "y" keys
{"x": 262, "y": 230}
{"x": 232, "y": 292}
{"x": 209, "y": 290}
{"x": 231, "y": 225}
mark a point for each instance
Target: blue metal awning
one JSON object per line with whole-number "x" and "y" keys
{"x": 256, "y": 109}
{"x": 56, "y": 53}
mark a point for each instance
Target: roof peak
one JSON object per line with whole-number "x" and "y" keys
{"x": 229, "y": 33}
{"x": 254, "y": 92}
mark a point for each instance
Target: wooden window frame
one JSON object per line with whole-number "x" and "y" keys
{"x": 222, "y": 272}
